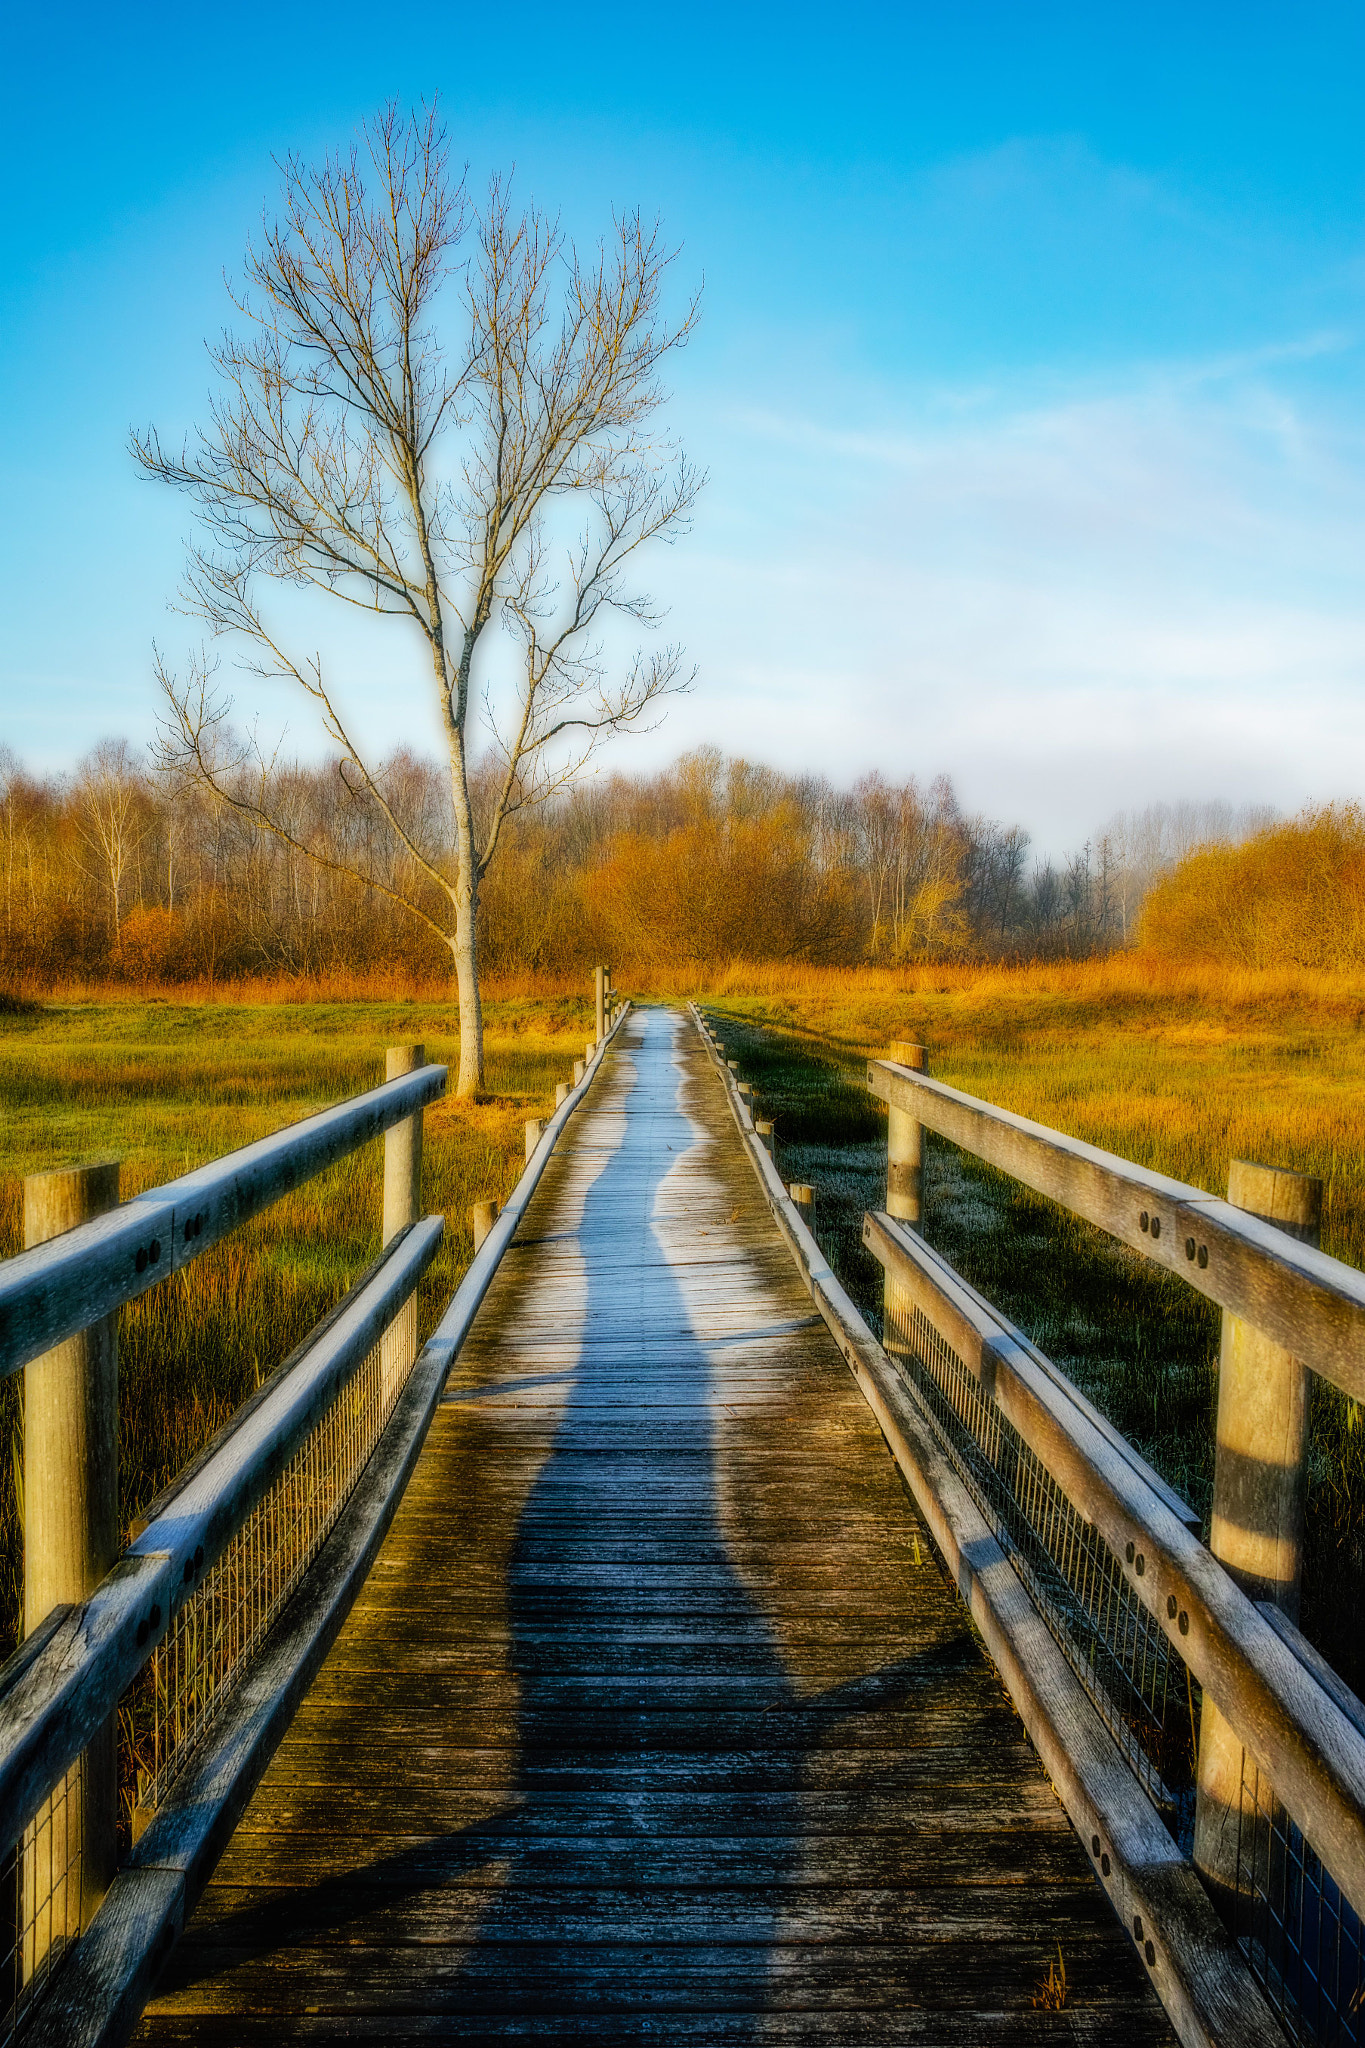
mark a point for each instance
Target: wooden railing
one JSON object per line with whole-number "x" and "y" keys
{"x": 213, "y": 1621}
{"x": 1310, "y": 1303}
{"x": 1104, "y": 1612}
{"x": 54, "y": 1290}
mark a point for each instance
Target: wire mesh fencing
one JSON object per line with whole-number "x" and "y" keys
{"x": 219, "y": 1630}
{"x": 1300, "y": 1936}
{"x": 42, "y": 1883}
{"x": 49, "y": 1888}
{"x": 1138, "y": 1683}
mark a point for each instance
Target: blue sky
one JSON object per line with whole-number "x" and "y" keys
{"x": 1031, "y": 380}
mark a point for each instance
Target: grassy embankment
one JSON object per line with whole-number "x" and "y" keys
{"x": 165, "y": 1086}
{"x": 1180, "y": 1070}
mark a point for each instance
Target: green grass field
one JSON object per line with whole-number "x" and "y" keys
{"x": 165, "y": 1087}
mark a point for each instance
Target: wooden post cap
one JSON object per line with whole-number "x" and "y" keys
{"x": 906, "y": 1054}
{"x": 1291, "y": 1201}
{"x": 59, "y": 1201}
{"x": 403, "y": 1059}
{"x": 802, "y": 1193}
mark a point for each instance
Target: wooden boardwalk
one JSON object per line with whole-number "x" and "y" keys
{"x": 657, "y": 1721}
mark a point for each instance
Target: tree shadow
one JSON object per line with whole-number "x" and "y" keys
{"x": 648, "y": 1846}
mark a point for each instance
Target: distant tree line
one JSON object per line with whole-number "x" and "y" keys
{"x": 128, "y": 871}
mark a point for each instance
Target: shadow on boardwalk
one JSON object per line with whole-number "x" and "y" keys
{"x": 743, "y": 1774}
{"x": 655, "y": 1825}
{"x": 623, "y": 1682}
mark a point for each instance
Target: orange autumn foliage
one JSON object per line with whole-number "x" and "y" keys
{"x": 719, "y": 886}
{"x": 1291, "y": 896}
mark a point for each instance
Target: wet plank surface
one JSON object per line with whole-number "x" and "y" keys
{"x": 657, "y": 1720}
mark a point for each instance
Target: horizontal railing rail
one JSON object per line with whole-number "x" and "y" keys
{"x": 58, "y": 1288}
{"x": 1309, "y": 1302}
{"x": 1289, "y": 1723}
{"x": 54, "y": 1702}
{"x": 1068, "y": 1391}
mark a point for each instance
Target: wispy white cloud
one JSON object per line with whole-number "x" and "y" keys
{"x": 1150, "y": 588}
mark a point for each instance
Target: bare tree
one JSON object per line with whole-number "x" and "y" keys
{"x": 349, "y": 450}
{"x": 113, "y": 818}
{"x": 1146, "y": 844}
{"x": 10, "y": 773}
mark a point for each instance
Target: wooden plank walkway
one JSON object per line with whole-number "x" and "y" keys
{"x": 657, "y": 1721}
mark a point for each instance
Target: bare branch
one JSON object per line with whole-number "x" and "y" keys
{"x": 196, "y": 739}
{"x": 417, "y": 393}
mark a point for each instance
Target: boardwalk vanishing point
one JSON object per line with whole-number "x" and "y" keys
{"x": 657, "y": 1720}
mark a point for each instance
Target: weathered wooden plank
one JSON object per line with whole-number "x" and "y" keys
{"x": 1200, "y": 1975}
{"x": 352, "y": 1910}
{"x": 656, "y": 1702}
{"x": 1307, "y": 1301}
{"x": 774, "y": 1975}
{"x": 1114, "y": 2018}
{"x": 967, "y": 1844}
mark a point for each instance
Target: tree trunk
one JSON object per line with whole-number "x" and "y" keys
{"x": 465, "y": 948}
{"x": 465, "y": 944}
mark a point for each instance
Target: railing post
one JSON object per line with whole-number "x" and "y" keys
{"x": 579, "y": 1069}
{"x": 562, "y": 1092}
{"x": 484, "y": 1216}
{"x": 599, "y": 975}
{"x": 402, "y": 1206}
{"x": 589, "y": 1049}
{"x": 71, "y": 1532}
{"x": 803, "y": 1194}
{"x": 905, "y": 1146}
{"x": 403, "y": 1149}
{"x": 1258, "y": 1498}
{"x": 763, "y": 1131}
{"x": 535, "y": 1131}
